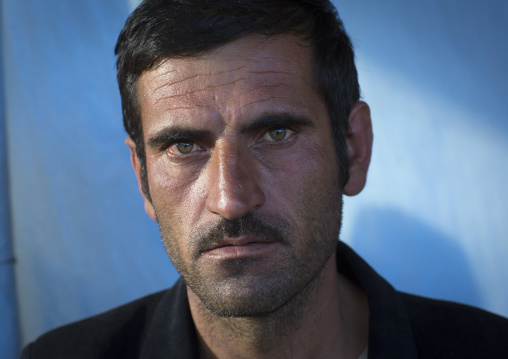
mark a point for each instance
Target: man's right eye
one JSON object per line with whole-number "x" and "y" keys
{"x": 182, "y": 148}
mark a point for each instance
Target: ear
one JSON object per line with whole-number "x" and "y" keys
{"x": 359, "y": 148}
{"x": 137, "y": 169}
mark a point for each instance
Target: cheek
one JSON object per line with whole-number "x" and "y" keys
{"x": 301, "y": 180}
{"x": 177, "y": 195}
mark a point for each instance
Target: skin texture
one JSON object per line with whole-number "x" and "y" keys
{"x": 243, "y": 179}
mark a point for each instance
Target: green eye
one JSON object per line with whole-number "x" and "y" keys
{"x": 184, "y": 147}
{"x": 277, "y": 134}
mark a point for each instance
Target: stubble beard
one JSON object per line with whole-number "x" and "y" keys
{"x": 294, "y": 275}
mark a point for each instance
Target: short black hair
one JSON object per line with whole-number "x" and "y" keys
{"x": 162, "y": 29}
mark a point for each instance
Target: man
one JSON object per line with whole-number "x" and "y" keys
{"x": 245, "y": 129}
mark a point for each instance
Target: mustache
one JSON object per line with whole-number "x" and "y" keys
{"x": 213, "y": 234}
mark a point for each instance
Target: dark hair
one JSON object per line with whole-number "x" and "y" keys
{"x": 161, "y": 29}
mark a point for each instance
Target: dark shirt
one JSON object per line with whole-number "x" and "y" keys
{"x": 400, "y": 326}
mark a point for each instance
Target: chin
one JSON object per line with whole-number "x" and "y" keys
{"x": 248, "y": 295}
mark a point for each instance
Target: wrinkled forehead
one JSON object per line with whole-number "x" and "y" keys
{"x": 254, "y": 59}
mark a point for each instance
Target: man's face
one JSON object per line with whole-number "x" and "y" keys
{"x": 242, "y": 172}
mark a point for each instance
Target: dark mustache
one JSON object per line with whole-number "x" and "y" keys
{"x": 203, "y": 238}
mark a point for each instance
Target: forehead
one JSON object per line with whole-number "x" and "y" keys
{"x": 250, "y": 75}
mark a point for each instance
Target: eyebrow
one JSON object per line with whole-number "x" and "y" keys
{"x": 169, "y": 135}
{"x": 277, "y": 120}
{"x": 174, "y": 134}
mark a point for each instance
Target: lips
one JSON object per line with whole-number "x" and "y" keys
{"x": 239, "y": 247}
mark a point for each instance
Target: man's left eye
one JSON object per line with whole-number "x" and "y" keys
{"x": 277, "y": 134}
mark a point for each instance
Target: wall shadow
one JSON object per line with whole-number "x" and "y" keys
{"x": 414, "y": 257}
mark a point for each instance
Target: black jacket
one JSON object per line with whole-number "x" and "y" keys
{"x": 401, "y": 326}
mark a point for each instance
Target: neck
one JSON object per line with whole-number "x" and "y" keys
{"x": 328, "y": 318}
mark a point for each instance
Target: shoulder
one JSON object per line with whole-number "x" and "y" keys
{"x": 116, "y": 333}
{"x": 452, "y": 330}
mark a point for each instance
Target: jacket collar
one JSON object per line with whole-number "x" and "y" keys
{"x": 390, "y": 332}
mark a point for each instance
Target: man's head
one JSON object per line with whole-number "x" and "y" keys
{"x": 161, "y": 29}
{"x": 238, "y": 151}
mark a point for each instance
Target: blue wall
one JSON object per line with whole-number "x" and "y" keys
{"x": 433, "y": 216}
{"x": 82, "y": 240}
{"x": 9, "y": 326}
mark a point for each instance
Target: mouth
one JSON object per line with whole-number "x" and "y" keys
{"x": 239, "y": 247}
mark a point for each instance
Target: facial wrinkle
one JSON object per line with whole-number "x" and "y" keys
{"x": 169, "y": 85}
{"x": 269, "y": 99}
{"x": 204, "y": 89}
{"x": 262, "y": 87}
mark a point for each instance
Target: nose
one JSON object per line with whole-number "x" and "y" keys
{"x": 233, "y": 183}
